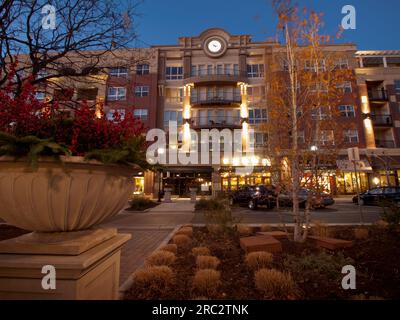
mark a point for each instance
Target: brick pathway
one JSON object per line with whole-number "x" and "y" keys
{"x": 143, "y": 243}
{"x": 148, "y": 230}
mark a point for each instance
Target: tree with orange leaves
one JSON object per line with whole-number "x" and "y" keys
{"x": 307, "y": 82}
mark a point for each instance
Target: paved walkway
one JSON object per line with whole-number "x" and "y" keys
{"x": 149, "y": 230}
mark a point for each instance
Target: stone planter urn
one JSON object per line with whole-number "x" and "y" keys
{"x": 193, "y": 194}
{"x": 168, "y": 195}
{"x": 61, "y": 203}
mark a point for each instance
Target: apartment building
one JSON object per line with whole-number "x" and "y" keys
{"x": 217, "y": 80}
{"x": 378, "y": 77}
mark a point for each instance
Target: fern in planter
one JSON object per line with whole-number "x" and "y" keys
{"x": 31, "y": 147}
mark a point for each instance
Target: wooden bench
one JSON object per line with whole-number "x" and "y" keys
{"x": 331, "y": 243}
{"x": 260, "y": 243}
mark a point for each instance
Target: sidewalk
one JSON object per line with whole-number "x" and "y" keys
{"x": 148, "y": 230}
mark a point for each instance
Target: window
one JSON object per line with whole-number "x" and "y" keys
{"x": 255, "y": 70}
{"x": 319, "y": 87}
{"x": 236, "y": 69}
{"x": 347, "y": 111}
{"x": 322, "y": 113}
{"x": 172, "y": 116}
{"x": 350, "y": 136}
{"x": 257, "y": 116}
{"x": 310, "y": 66}
{"x": 327, "y": 138}
{"x": 116, "y": 94}
{"x": 118, "y": 72}
{"x": 260, "y": 139}
{"x": 142, "y": 69}
{"x": 112, "y": 112}
{"x": 342, "y": 64}
{"x": 174, "y": 73}
{"x": 256, "y": 93}
{"x": 142, "y": 114}
{"x": 346, "y": 87}
{"x": 175, "y": 95}
{"x": 142, "y": 91}
{"x": 397, "y": 86}
{"x": 40, "y": 95}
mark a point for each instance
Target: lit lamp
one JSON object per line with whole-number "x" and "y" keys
{"x": 376, "y": 181}
{"x": 314, "y": 148}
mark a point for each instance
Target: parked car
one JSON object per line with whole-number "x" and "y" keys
{"x": 321, "y": 201}
{"x": 373, "y": 197}
{"x": 254, "y": 196}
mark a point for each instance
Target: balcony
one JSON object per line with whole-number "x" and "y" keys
{"x": 385, "y": 144}
{"x": 382, "y": 120}
{"x": 217, "y": 76}
{"x": 378, "y": 95}
{"x": 207, "y": 123}
{"x": 224, "y": 98}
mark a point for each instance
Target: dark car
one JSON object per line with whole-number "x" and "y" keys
{"x": 254, "y": 196}
{"x": 373, "y": 197}
{"x": 321, "y": 201}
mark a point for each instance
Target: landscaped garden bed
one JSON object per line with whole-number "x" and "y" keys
{"x": 141, "y": 204}
{"x": 206, "y": 263}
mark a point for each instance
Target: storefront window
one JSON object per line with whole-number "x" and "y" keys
{"x": 139, "y": 186}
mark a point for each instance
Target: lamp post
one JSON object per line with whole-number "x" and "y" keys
{"x": 314, "y": 149}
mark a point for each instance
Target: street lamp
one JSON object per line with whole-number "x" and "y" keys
{"x": 314, "y": 149}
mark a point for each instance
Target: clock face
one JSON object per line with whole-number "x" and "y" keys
{"x": 215, "y": 46}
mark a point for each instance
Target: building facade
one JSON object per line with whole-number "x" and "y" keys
{"x": 220, "y": 81}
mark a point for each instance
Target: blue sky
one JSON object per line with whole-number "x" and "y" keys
{"x": 163, "y": 21}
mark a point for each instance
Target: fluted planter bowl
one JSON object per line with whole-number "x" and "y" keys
{"x": 60, "y": 197}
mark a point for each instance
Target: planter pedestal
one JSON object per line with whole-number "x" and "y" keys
{"x": 168, "y": 195}
{"x": 87, "y": 265}
{"x": 193, "y": 195}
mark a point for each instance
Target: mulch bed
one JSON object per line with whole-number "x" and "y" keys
{"x": 9, "y": 232}
{"x": 377, "y": 261}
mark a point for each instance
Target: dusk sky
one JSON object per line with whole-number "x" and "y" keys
{"x": 163, "y": 21}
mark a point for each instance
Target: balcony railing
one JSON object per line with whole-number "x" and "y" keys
{"x": 222, "y": 98}
{"x": 206, "y": 122}
{"x": 217, "y": 75}
{"x": 382, "y": 120}
{"x": 377, "y": 95}
{"x": 385, "y": 144}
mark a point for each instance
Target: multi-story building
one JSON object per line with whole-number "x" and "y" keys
{"x": 220, "y": 81}
{"x": 378, "y": 77}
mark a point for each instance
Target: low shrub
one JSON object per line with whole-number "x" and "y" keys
{"x": 210, "y": 205}
{"x": 160, "y": 258}
{"x": 186, "y": 231}
{"x": 275, "y": 284}
{"x": 223, "y": 219}
{"x": 259, "y": 260}
{"x": 141, "y": 204}
{"x": 382, "y": 224}
{"x": 391, "y": 213}
{"x": 206, "y": 282}
{"x": 183, "y": 242}
{"x": 321, "y": 268}
{"x": 154, "y": 279}
{"x": 361, "y": 233}
{"x": 244, "y": 230}
{"x": 173, "y": 248}
{"x": 215, "y": 229}
{"x": 207, "y": 262}
{"x": 201, "y": 251}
